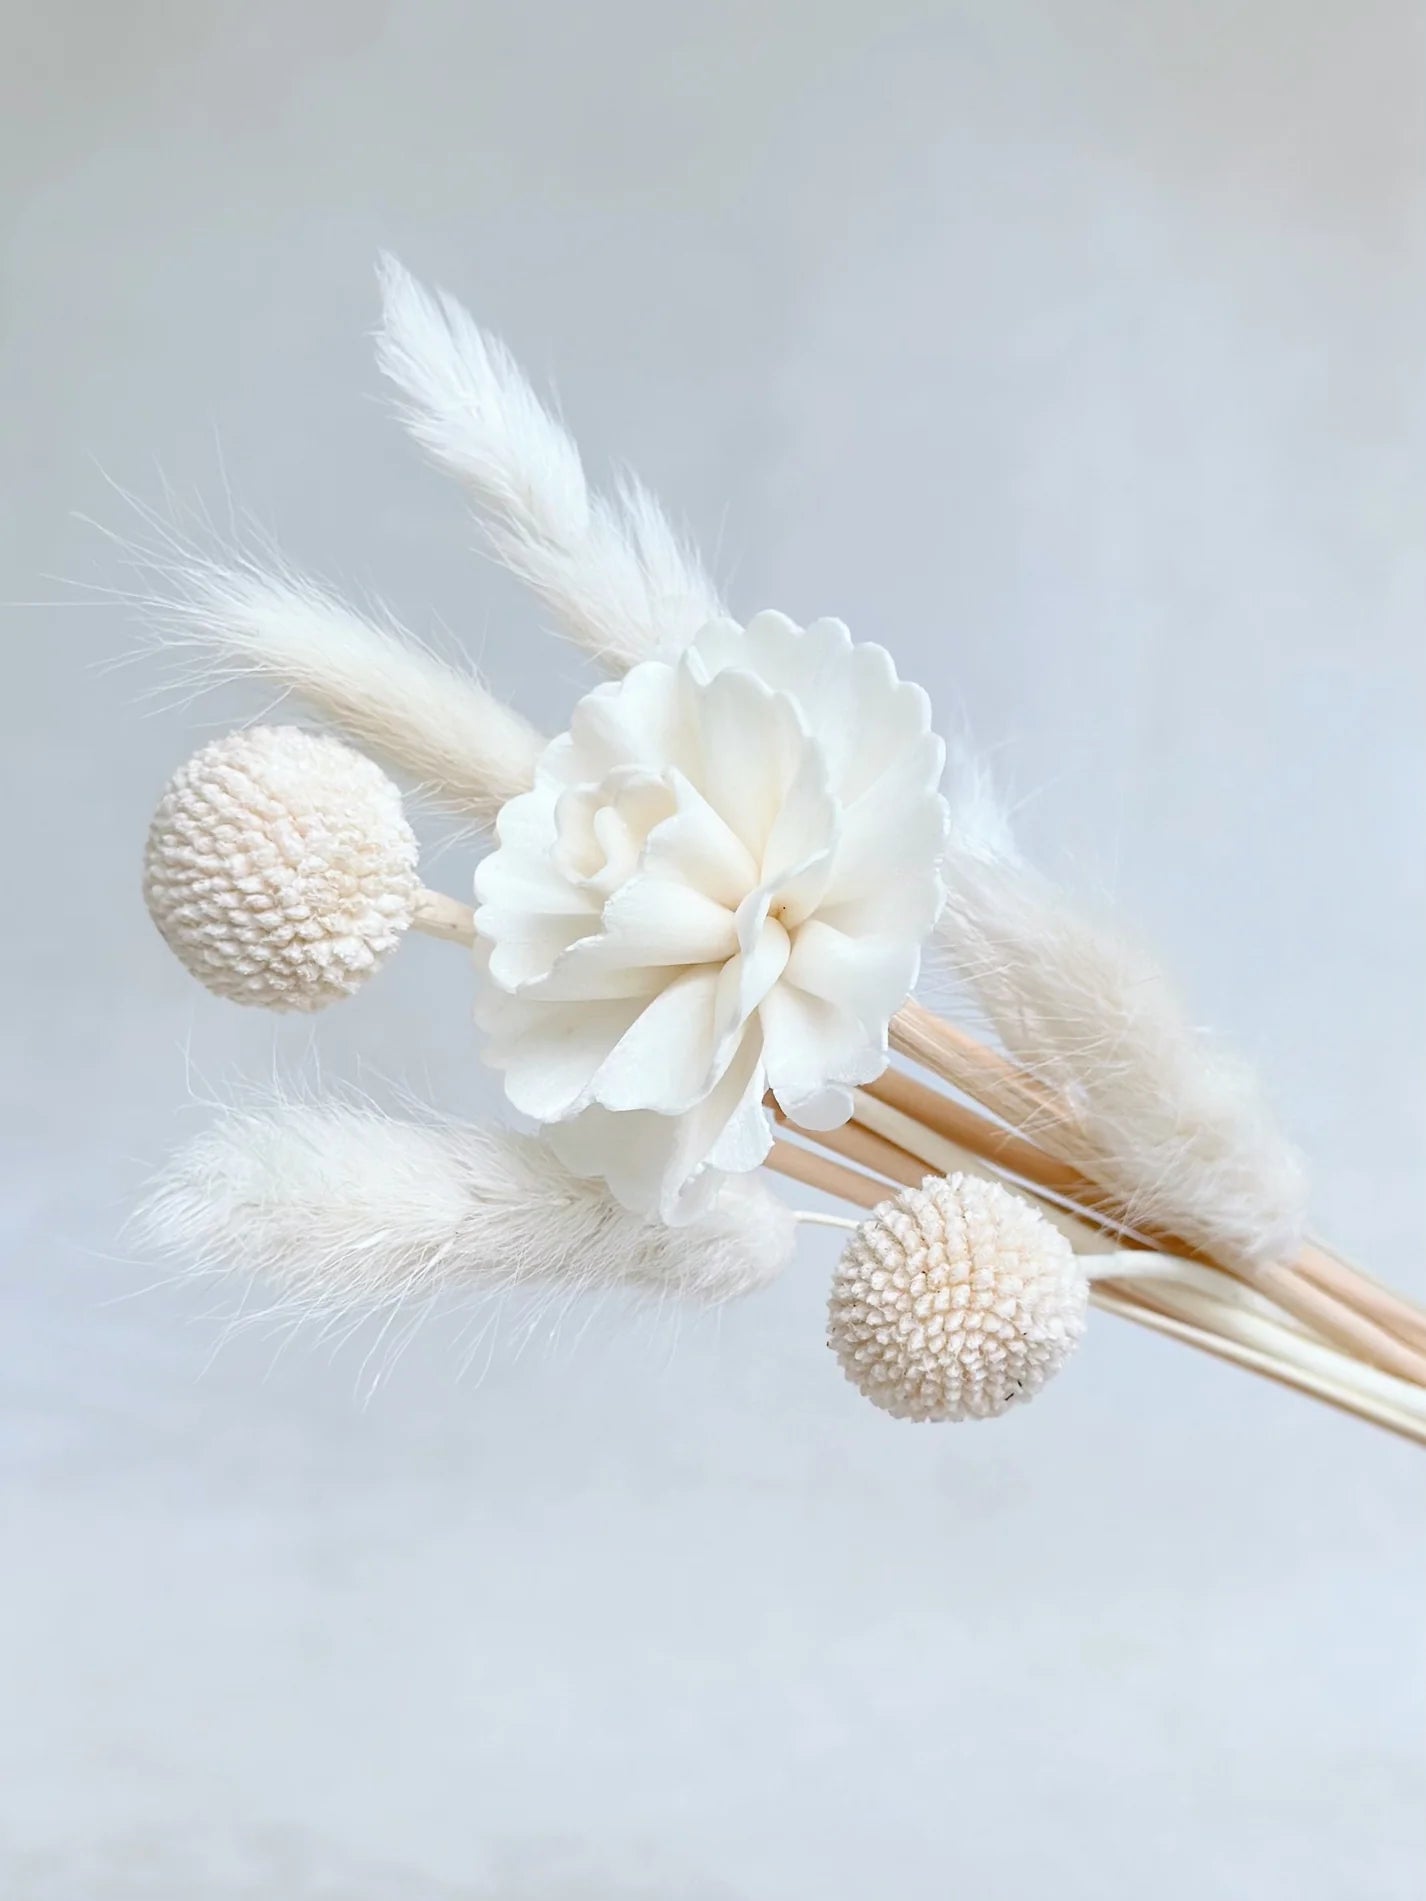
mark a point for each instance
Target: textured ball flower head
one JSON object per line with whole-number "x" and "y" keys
{"x": 719, "y": 885}
{"x": 280, "y": 869}
{"x": 956, "y": 1300}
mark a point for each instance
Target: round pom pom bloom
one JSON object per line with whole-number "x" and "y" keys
{"x": 719, "y": 885}
{"x": 280, "y": 869}
{"x": 955, "y": 1300}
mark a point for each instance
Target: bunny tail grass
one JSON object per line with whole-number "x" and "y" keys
{"x": 616, "y": 575}
{"x": 440, "y": 725}
{"x": 341, "y": 1209}
{"x": 1174, "y": 1127}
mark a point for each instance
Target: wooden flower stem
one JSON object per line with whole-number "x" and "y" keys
{"x": 1254, "y": 1360}
{"x": 1332, "y": 1297}
{"x": 1217, "y": 1330}
{"x": 1334, "y": 1301}
{"x": 824, "y": 1173}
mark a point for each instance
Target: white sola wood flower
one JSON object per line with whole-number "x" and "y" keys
{"x": 719, "y": 885}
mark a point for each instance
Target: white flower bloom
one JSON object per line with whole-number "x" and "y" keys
{"x": 719, "y": 885}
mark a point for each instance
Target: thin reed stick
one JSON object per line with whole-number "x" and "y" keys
{"x": 1107, "y": 1296}
{"x": 959, "y": 1060}
{"x": 1333, "y": 1275}
{"x": 943, "y": 1156}
{"x": 1131, "y": 1300}
{"x": 966, "y": 1126}
{"x": 1225, "y": 1310}
{"x": 867, "y": 1150}
{"x": 1328, "y": 1295}
{"x": 992, "y": 1079}
{"x": 827, "y": 1176}
{"x": 1084, "y": 1230}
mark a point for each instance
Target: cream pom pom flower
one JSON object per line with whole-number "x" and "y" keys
{"x": 955, "y": 1300}
{"x": 719, "y": 885}
{"x": 280, "y": 868}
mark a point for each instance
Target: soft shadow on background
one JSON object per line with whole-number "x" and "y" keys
{"x": 1076, "y": 352}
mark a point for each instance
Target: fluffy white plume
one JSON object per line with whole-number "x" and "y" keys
{"x": 341, "y": 1209}
{"x": 1173, "y": 1125}
{"x": 439, "y": 724}
{"x": 618, "y": 577}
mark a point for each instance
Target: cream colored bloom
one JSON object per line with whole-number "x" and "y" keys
{"x": 719, "y": 885}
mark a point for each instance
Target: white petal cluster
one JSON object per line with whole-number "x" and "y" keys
{"x": 956, "y": 1300}
{"x": 280, "y": 869}
{"x": 719, "y": 886}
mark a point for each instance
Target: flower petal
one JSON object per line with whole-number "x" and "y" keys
{"x": 637, "y": 721}
{"x": 751, "y": 748}
{"x": 747, "y": 977}
{"x": 809, "y": 1043}
{"x": 698, "y": 848}
{"x": 849, "y": 697}
{"x": 666, "y": 1061}
{"x": 602, "y": 830}
{"x": 867, "y": 977}
{"x": 659, "y": 921}
{"x": 805, "y": 828}
{"x": 551, "y": 1053}
{"x": 663, "y": 1166}
{"x": 896, "y": 829}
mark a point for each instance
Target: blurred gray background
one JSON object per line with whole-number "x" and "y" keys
{"x": 1076, "y": 352}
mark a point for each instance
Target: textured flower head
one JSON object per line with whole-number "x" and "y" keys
{"x": 719, "y": 886}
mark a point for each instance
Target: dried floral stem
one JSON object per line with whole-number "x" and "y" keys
{"x": 867, "y": 1150}
{"x": 1207, "y": 1299}
{"x": 993, "y": 1080}
{"x": 1332, "y": 1298}
{"x": 1087, "y": 1231}
{"x": 449, "y": 919}
{"x": 960, "y": 1123}
{"x": 939, "y": 1154}
{"x": 978, "y": 1140}
{"x": 827, "y": 1176}
{"x": 1255, "y": 1361}
{"x": 1333, "y": 1275}
{"x": 1219, "y": 1324}
{"x": 1215, "y": 1302}
{"x": 1345, "y": 1311}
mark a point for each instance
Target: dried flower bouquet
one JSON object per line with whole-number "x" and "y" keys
{"x": 697, "y": 939}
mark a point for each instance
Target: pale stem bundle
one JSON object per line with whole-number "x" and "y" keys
{"x": 1342, "y": 1305}
{"x": 901, "y": 1130}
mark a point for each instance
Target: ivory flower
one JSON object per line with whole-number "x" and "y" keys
{"x": 719, "y": 886}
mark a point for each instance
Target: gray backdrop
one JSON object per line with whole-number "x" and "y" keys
{"x": 1076, "y": 352}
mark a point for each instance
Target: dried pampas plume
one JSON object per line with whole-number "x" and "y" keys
{"x": 341, "y": 1209}
{"x": 616, "y": 574}
{"x": 1175, "y": 1127}
{"x": 435, "y": 722}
